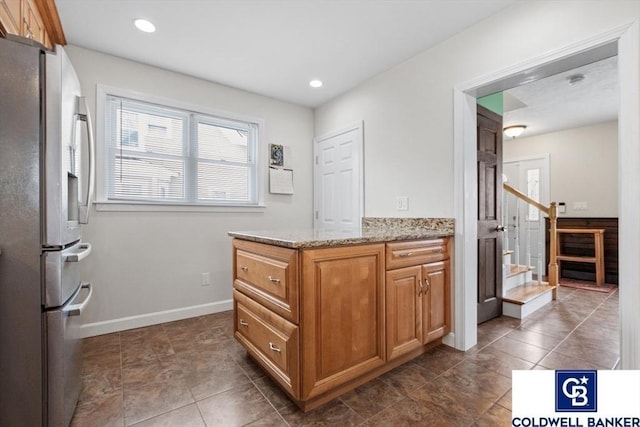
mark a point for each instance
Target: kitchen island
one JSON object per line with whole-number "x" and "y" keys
{"x": 323, "y": 311}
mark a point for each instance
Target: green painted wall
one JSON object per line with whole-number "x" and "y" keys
{"x": 492, "y": 102}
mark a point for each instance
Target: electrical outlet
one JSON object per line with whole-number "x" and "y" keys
{"x": 402, "y": 203}
{"x": 205, "y": 279}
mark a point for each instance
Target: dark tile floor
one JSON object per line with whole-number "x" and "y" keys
{"x": 193, "y": 373}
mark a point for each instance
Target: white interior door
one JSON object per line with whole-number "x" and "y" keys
{"x": 525, "y": 223}
{"x": 338, "y": 183}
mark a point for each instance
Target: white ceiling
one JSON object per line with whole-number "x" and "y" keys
{"x": 272, "y": 47}
{"x": 552, "y": 104}
{"x": 275, "y": 47}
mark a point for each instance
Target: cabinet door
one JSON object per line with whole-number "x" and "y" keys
{"x": 10, "y": 15}
{"x": 32, "y": 25}
{"x": 342, "y": 316}
{"x": 404, "y": 310}
{"x": 436, "y": 300}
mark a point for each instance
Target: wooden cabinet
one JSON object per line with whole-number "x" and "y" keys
{"x": 436, "y": 300}
{"x": 268, "y": 274}
{"x": 342, "y": 314}
{"x": 32, "y": 24}
{"x": 322, "y": 321}
{"x": 270, "y": 339}
{"x": 404, "y": 310}
{"x": 34, "y": 19}
{"x": 11, "y": 16}
{"x": 418, "y": 305}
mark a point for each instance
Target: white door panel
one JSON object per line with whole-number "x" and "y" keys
{"x": 338, "y": 179}
{"x": 531, "y": 176}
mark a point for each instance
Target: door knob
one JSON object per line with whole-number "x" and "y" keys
{"x": 500, "y": 228}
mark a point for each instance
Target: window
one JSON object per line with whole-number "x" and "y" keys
{"x": 159, "y": 154}
{"x": 533, "y": 191}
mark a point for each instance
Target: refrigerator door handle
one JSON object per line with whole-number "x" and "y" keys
{"x": 86, "y": 117}
{"x": 79, "y": 256}
{"x": 76, "y": 309}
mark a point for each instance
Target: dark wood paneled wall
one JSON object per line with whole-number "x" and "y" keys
{"x": 582, "y": 245}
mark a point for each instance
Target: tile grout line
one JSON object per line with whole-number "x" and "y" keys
{"x": 575, "y": 328}
{"x": 265, "y": 398}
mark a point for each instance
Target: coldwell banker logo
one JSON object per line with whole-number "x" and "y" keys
{"x": 576, "y": 391}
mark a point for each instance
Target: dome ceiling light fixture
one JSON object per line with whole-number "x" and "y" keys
{"x": 514, "y": 131}
{"x": 315, "y": 83}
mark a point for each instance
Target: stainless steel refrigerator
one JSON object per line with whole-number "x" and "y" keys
{"x": 46, "y": 182}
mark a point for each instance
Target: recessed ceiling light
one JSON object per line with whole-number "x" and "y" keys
{"x": 144, "y": 25}
{"x": 315, "y": 83}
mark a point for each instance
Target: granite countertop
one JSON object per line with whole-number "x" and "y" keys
{"x": 373, "y": 230}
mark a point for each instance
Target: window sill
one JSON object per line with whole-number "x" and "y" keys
{"x": 110, "y": 206}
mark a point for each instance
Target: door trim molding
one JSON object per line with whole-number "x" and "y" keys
{"x": 627, "y": 38}
{"x": 359, "y": 127}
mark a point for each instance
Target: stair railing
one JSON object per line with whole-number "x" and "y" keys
{"x": 552, "y": 212}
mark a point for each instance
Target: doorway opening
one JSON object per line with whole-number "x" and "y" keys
{"x": 626, "y": 42}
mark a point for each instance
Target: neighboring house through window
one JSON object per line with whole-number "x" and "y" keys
{"x": 163, "y": 154}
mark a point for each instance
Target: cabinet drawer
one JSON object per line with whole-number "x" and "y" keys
{"x": 271, "y": 340}
{"x": 268, "y": 274}
{"x": 405, "y": 254}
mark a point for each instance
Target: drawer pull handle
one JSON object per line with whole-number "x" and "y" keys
{"x": 273, "y": 347}
{"x": 427, "y": 285}
{"x": 420, "y": 287}
{"x": 274, "y": 279}
{"x": 243, "y": 323}
{"x": 405, "y": 254}
{"x": 244, "y": 268}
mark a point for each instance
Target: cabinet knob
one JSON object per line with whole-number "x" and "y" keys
{"x": 244, "y": 268}
{"x": 243, "y": 323}
{"x": 274, "y": 279}
{"x": 272, "y": 347}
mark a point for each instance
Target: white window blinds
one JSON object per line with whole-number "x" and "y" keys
{"x": 159, "y": 154}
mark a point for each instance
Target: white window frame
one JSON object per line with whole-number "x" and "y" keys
{"x": 103, "y": 203}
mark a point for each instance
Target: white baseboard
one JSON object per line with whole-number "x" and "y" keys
{"x": 450, "y": 340}
{"x": 148, "y": 319}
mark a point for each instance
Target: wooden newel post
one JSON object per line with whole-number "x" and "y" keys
{"x": 553, "y": 245}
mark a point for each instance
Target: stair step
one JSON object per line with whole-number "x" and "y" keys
{"x": 514, "y": 269}
{"x": 528, "y": 292}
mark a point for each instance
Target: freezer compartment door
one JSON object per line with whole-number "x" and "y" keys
{"x": 64, "y": 357}
{"x": 62, "y": 273}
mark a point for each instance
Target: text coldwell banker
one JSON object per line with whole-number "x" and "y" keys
{"x": 575, "y": 422}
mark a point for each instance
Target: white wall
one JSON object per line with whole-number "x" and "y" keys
{"x": 408, "y": 110}
{"x": 146, "y": 263}
{"x": 583, "y": 165}
{"x": 408, "y": 116}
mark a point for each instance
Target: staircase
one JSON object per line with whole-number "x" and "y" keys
{"x": 521, "y": 294}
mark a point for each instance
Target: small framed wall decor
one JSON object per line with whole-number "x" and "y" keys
{"x": 276, "y": 155}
